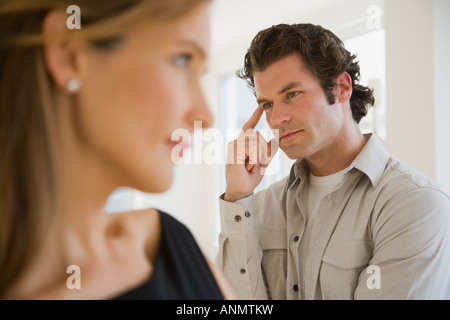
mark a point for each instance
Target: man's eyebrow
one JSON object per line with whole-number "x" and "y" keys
{"x": 287, "y": 87}
{"x": 260, "y": 100}
{"x": 290, "y": 86}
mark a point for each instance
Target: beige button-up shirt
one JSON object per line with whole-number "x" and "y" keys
{"x": 385, "y": 235}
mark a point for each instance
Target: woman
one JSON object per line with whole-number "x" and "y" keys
{"x": 83, "y": 112}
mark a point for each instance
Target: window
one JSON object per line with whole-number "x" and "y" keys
{"x": 370, "y": 50}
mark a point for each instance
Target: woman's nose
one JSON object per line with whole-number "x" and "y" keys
{"x": 200, "y": 110}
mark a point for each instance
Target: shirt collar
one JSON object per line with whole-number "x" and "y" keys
{"x": 371, "y": 161}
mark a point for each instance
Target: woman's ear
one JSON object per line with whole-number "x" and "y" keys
{"x": 344, "y": 87}
{"x": 60, "y": 52}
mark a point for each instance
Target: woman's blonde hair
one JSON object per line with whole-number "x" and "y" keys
{"x": 27, "y": 114}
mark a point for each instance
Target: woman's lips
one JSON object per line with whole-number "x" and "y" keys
{"x": 179, "y": 146}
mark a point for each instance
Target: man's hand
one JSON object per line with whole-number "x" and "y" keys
{"x": 247, "y": 158}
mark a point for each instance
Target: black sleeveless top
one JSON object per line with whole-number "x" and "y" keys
{"x": 181, "y": 271}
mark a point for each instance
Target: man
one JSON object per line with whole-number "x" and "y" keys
{"x": 349, "y": 222}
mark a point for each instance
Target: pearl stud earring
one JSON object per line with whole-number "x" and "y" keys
{"x": 73, "y": 85}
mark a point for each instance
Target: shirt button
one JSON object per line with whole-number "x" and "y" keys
{"x": 242, "y": 271}
{"x": 296, "y": 238}
{"x": 247, "y": 214}
{"x": 237, "y": 218}
{"x": 295, "y": 287}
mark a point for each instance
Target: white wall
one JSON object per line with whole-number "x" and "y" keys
{"x": 418, "y": 73}
{"x": 409, "y": 80}
{"x": 441, "y": 30}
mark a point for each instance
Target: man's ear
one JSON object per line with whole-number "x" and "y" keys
{"x": 344, "y": 87}
{"x": 60, "y": 53}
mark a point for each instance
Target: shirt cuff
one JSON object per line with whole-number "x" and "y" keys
{"x": 236, "y": 218}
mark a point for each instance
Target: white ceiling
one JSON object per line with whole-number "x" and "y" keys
{"x": 235, "y": 19}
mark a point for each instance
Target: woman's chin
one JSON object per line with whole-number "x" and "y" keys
{"x": 153, "y": 178}
{"x": 160, "y": 183}
{"x": 161, "y": 188}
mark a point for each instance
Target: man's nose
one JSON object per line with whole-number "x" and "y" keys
{"x": 280, "y": 115}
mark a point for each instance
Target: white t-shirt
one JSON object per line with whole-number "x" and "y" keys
{"x": 318, "y": 188}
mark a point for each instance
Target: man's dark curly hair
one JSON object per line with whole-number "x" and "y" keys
{"x": 322, "y": 51}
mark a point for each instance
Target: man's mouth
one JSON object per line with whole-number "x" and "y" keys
{"x": 288, "y": 135}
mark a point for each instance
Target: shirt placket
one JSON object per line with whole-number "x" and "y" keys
{"x": 296, "y": 217}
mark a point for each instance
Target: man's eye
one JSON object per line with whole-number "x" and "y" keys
{"x": 183, "y": 60}
{"x": 293, "y": 94}
{"x": 267, "y": 105}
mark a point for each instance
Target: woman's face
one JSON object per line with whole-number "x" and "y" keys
{"x": 133, "y": 97}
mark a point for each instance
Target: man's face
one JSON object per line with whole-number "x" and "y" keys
{"x": 296, "y": 105}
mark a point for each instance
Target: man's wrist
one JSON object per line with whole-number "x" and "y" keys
{"x": 233, "y": 198}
